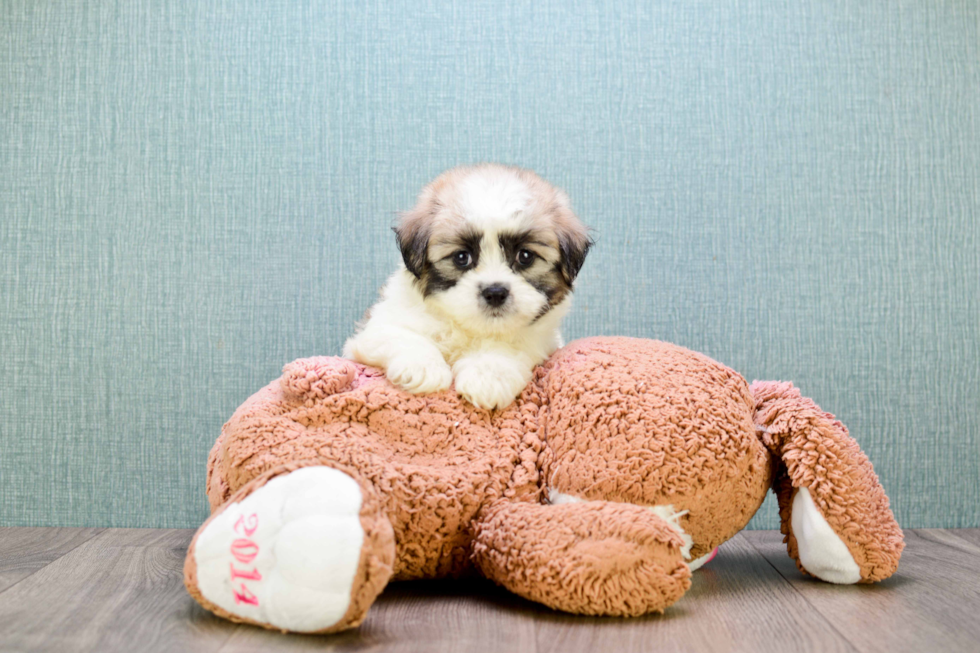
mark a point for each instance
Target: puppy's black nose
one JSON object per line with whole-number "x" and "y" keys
{"x": 495, "y": 295}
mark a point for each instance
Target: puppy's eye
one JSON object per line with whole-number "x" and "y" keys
{"x": 525, "y": 258}
{"x": 462, "y": 259}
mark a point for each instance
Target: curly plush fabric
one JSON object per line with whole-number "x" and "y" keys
{"x": 650, "y": 423}
{"x": 435, "y": 460}
{"x": 621, "y": 461}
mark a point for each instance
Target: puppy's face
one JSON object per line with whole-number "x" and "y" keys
{"x": 493, "y": 248}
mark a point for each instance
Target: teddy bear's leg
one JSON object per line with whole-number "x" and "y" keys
{"x": 835, "y": 515}
{"x": 305, "y": 548}
{"x": 593, "y": 557}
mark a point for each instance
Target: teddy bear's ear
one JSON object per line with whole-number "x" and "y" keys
{"x": 318, "y": 377}
{"x": 413, "y": 230}
{"x": 574, "y": 241}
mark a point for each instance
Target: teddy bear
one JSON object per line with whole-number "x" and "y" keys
{"x": 619, "y": 469}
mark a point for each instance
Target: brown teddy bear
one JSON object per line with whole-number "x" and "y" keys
{"x": 621, "y": 466}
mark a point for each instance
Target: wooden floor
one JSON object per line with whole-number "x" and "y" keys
{"x": 105, "y": 590}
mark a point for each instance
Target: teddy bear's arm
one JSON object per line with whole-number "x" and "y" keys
{"x": 594, "y": 557}
{"x": 827, "y": 489}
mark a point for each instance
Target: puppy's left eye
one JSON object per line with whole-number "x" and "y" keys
{"x": 462, "y": 259}
{"x": 525, "y": 258}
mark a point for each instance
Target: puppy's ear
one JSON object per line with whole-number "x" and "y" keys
{"x": 574, "y": 242}
{"x": 573, "y": 253}
{"x": 413, "y": 231}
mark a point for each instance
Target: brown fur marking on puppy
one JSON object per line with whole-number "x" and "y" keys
{"x": 441, "y": 272}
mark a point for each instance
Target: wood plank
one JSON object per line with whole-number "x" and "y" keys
{"x": 971, "y": 535}
{"x": 120, "y": 591}
{"x": 26, "y": 550}
{"x": 737, "y": 602}
{"x": 930, "y": 604}
{"x": 471, "y": 615}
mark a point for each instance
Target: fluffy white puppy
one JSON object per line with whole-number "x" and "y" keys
{"x": 490, "y": 253}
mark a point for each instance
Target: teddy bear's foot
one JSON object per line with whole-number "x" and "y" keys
{"x": 822, "y": 553}
{"x": 306, "y": 551}
{"x": 833, "y": 511}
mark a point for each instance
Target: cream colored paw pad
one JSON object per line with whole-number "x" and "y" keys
{"x": 287, "y": 554}
{"x": 822, "y": 552}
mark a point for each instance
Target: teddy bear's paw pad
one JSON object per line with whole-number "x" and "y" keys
{"x": 822, "y": 552}
{"x": 287, "y": 554}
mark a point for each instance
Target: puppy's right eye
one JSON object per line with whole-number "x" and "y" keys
{"x": 462, "y": 259}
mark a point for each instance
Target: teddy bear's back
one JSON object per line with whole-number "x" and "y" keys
{"x": 434, "y": 460}
{"x": 651, "y": 423}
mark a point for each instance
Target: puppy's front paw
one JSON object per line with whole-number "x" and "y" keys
{"x": 491, "y": 380}
{"x": 419, "y": 374}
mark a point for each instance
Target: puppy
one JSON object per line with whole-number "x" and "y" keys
{"x": 490, "y": 253}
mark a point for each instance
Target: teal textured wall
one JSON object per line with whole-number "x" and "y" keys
{"x": 193, "y": 193}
